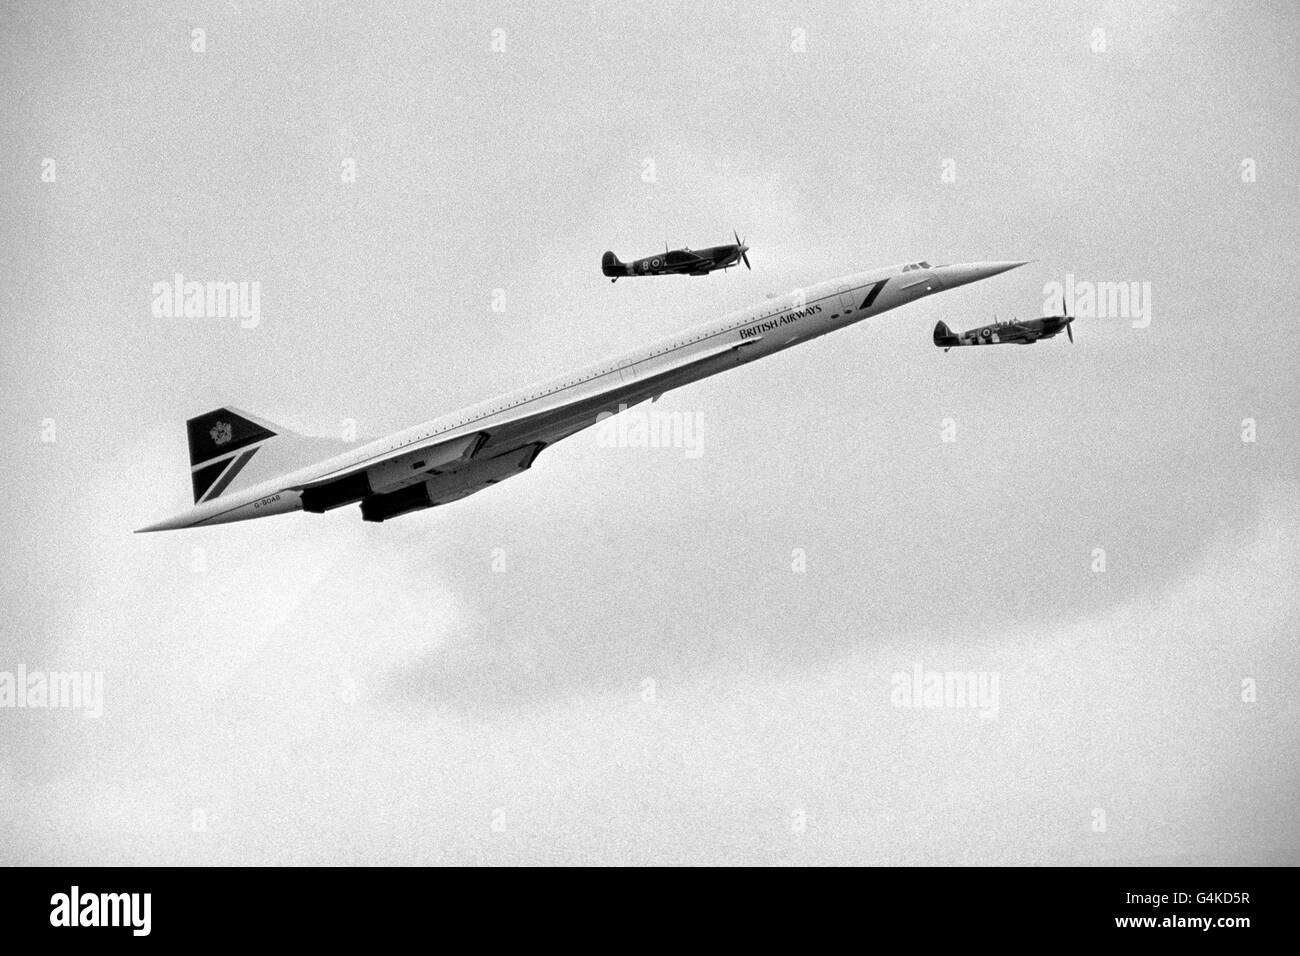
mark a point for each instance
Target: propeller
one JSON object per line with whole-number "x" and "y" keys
{"x": 1069, "y": 330}
{"x": 743, "y": 249}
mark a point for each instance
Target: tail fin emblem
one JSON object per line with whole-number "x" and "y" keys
{"x": 220, "y": 433}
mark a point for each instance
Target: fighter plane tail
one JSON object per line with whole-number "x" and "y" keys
{"x": 232, "y": 449}
{"x": 612, "y": 266}
{"x": 943, "y": 336}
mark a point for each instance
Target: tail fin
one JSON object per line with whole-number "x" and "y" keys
{"x": 611, "y": 265}
{"x": 943, "y": 336}
{"x": 224, "y": 441}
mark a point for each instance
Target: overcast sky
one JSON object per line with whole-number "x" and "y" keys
{"x": 634, "y": 655}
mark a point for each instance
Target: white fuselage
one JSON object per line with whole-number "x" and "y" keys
{"x": 759, "y": 330}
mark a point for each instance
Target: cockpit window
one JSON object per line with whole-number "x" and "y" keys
{"x": 916, "y": 265}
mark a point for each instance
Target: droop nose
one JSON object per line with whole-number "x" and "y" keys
{"x": 964, "y": 272}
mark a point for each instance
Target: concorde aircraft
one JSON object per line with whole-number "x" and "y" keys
{"x": 243, "y": 466}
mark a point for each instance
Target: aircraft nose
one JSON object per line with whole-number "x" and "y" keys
{"x": 963, "y": 272}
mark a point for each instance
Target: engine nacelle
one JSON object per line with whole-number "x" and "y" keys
{"x": 440, "y": 488}
{"x": 336, "y": 494}
{"x": 392, "y": 475}
{"x": 383, "y": 507}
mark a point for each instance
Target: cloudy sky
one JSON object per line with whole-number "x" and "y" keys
{"x": 640, "y": 655}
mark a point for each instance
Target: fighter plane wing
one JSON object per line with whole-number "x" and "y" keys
{"x": 1018, "y": 333}
{"x": 1000, "y": 335}
{"x": 684, "y": 257}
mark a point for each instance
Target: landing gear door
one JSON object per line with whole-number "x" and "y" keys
{"x": 849, "y": 297}
{"x": 859, "y": 299}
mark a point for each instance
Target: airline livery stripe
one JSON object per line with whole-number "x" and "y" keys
{"x": 231, "y": 472}
{"x": 871, "y": 296}
{"x": 203, "y": 477}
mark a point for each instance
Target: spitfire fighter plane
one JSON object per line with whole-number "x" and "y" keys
{"x": 1017, "y": 331}
{"x": 243, "y": 466}
{"x": 678, "y": 261}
